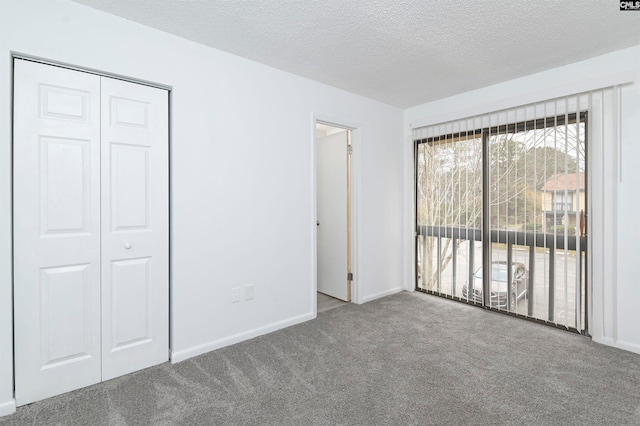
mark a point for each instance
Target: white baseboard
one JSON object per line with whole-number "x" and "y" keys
{"x": 631, "y": 347}
{"x": 182, "y": 355}
{"x": 371, "y": 297}
{"x": 7, "y": 408}
{"x": 603, "y": 340}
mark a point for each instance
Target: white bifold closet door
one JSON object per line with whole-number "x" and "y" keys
{"x": 90, "y": 229}
{"x": 135, "y": 219}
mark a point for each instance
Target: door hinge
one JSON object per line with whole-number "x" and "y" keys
{"x": 349, "y": 276}
{"x": 349, "y": 149}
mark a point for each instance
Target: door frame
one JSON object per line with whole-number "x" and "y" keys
{"x": 354, "y": 172}
{"x": 169, "y": 89}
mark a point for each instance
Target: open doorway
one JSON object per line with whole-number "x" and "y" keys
{"x": 333, "y": 215}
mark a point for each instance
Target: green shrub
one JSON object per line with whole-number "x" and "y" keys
{"x": 560, "y": 229}
{"x": 532, "y": 226}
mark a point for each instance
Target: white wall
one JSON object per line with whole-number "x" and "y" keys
{"x": 616, "y": 317}
{"x": 242, "y": 202}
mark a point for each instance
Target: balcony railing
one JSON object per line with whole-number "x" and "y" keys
{"x": 534, "y": 240}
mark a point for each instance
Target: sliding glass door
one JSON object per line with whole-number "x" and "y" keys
{"x": 500, "y": 211}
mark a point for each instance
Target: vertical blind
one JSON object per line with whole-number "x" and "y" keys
{"x": 507, "y": 192}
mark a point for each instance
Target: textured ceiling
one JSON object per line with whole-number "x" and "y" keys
{"x": 401, "y": 52}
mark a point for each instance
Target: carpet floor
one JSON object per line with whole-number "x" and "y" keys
{"x": 406, "y": 359}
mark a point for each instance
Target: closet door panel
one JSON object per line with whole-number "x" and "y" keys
{"x": 135, "y": 227}
{"x": 56, "y": 154}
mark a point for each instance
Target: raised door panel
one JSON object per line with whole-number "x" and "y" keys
{"x": 130, "y": 187}
{"x": 65, "y": 315}
{"x": 56, "y": 154}
{"x": 130, "y": 303}
{"x": 135, "y": 282}
{"x": 65, "y": 186}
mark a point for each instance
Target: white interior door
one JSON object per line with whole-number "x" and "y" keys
{"x": 56, "y": 230}
{"x": 91, "y": 286}
{"x": 332, "y": 199}
{"x": 135, "y": 227}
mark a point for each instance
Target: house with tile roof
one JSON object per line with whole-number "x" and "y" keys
{"x": 563, "y": 197}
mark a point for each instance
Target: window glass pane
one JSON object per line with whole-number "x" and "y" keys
{"x": 448, "y": 196}
{"x": 535, "y": 175}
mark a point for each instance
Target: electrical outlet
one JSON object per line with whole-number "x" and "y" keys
{"x": 248, "y": 292}
{"x": 235, "y": 294}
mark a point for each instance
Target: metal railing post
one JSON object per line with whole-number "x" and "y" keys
{"x": 509, "y": 272}
{"x": 552, "y": 282}
{"x": 532, "y": 275}
{"x": 454, "y": 259}
{"x": 472, "y": 250}
{"x": 439, "y": 245}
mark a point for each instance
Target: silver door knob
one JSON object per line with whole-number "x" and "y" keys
{"x": 127, "y": 245}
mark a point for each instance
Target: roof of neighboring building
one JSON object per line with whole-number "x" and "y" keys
{"x": 561, "y": 182}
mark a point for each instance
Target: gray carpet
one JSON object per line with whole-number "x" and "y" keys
{"x": 407, "y": 359}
